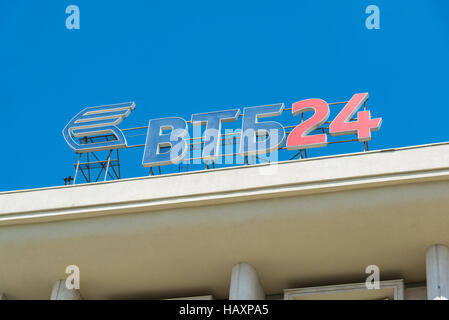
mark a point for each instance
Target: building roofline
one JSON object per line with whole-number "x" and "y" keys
{"x": 292, "y": 178}
{"x": 227, "y": 168}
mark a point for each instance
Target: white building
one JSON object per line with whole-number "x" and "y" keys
{"x": 301, "y": 229}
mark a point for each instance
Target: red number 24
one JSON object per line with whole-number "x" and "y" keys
{"x": 299, "y": 139}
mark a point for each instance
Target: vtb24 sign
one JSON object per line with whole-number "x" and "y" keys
{"x": 166, "y": 143}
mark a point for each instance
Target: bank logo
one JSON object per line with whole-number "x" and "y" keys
{"x": 91, "y": 129}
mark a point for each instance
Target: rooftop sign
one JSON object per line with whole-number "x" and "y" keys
{"x": 166, "y": 137}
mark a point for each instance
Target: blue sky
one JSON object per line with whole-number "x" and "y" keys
{"x": 175, "y": 58}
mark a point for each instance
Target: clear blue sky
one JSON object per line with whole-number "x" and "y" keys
{"x": 175, "y": 58}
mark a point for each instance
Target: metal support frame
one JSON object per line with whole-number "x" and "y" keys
{"x": 94, "y": 166}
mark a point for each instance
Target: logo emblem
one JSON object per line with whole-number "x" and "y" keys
{"x": 88, "y": 131}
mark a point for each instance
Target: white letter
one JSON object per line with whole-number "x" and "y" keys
{"x": 72, "y": 21}
{"x": 372, "y": 21}
{"x": 372, "y": 282}
{"x": 73, "y": 280}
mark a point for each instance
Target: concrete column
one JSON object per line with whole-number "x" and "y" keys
{"x": 60, "y": 292}
{"x": 437, "y": 272}
{"x": 245, "y": 284}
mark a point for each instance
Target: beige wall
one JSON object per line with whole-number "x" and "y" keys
{"x": 312, "y": 223}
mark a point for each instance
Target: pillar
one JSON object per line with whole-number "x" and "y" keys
{"x": 245, "y": 283}
{"x": 60, "y": 292}
{"x": 437, "y": 272}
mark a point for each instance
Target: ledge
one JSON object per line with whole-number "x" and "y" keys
{"x": 291, "y": 178}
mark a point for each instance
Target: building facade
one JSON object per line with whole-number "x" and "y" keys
{"x": 301, "y": 229}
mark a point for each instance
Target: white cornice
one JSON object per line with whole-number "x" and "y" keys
{"x": 294, "y": 178}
